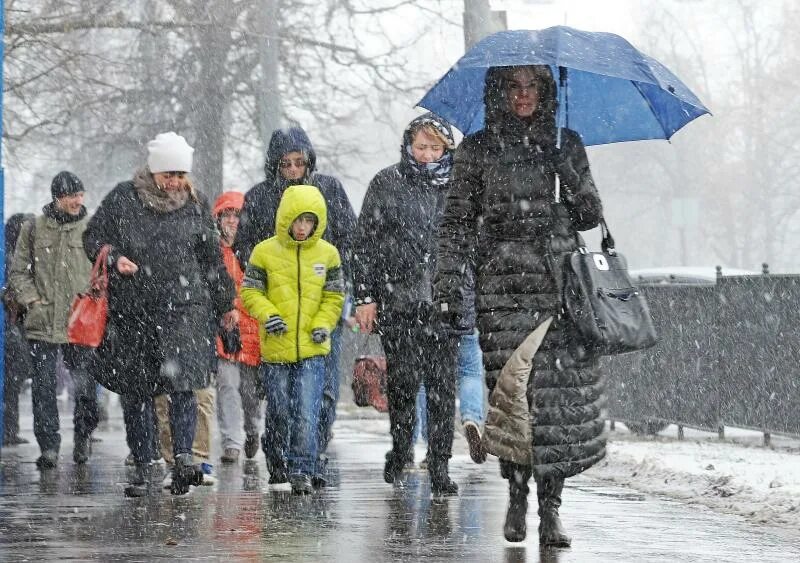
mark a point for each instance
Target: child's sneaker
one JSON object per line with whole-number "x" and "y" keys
{"x": 208, "y": 474}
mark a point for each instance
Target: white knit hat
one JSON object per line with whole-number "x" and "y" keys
{"x": 169, "y": 152}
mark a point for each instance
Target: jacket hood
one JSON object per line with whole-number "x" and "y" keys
{"x": 284, "y": 141}
{"x": 297, "y": 200}
{"x": 500, "y": 119}
{"x": 228, "y": 200}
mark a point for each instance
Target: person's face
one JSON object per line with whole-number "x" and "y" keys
{"x": 426, "y": 148}
{"x": 71, "y": 204}
{"x": 229, "y": 223}
{"x": 522, "y": 92}
{"x": 293, "y": 165}
{"x": 171, "y": 181}
{"x": 302, "y": 227}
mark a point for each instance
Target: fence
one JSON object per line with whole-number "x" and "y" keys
{"x": 729, "y": 354}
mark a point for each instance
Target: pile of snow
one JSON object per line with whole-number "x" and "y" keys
{"x": 737, "y": 475}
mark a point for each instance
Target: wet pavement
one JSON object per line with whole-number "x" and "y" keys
{"x": 75, "y": 513}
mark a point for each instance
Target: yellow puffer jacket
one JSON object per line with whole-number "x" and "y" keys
{"x": 299, "y": 280}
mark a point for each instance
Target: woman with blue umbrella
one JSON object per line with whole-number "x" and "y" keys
{"x": 505, "y": 217}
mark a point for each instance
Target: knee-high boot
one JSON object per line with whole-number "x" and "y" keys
{"x": 518, "y": 476}
{"x": 551, "y": 532}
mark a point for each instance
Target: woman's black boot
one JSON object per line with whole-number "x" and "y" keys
{"x": 139, "y": 482}
{"x": 184, "y": 475}
{"x": 551, "y": 532}
{"x": 515, "y": 528}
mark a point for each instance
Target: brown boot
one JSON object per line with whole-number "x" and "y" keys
{"x": 551, "y": 532}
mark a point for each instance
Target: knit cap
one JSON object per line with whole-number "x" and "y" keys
{"x": 169, "y": 152}
{"x": 65, "y": 183}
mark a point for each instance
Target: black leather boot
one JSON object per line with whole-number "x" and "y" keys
{"x": 393, "y": 467}
{"x": 184, "y": 475}
{"x": 139, "y": 482}
{"x": 551, "y": 532}
{"x": 515, "y": 528}
{"x": 441, "y": 484}
{"x": 82, "y": 449}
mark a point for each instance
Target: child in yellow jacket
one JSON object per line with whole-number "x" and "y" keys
{"x": 293, "y": 286}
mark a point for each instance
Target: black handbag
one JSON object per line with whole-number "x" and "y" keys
{"x": 611, "y": 315}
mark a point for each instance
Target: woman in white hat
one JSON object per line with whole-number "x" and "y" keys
{"x": 168, "y": 290}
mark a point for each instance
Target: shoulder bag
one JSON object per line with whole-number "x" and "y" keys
{"x": 89, "y": 311}
{"x": 611, "y": 315}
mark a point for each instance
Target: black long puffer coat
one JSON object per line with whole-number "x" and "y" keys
{"x": 501, "y": 213}
{"x": 162, "y": 320}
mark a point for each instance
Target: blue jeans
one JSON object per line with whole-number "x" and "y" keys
{"x": 44, "y": 356}
{"x": 470, "y": 387}
{"x": 294, "y": 395}
{"x": 140, "y": 426}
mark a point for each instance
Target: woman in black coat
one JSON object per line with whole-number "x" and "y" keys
{"x": 168, "y": 291}
{"x": 393, "y": 257}
{"x": 503, "y": 214}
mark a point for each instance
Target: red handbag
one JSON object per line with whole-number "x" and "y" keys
{"x": 369, "y": 383}
{"x": 89, "y": 311}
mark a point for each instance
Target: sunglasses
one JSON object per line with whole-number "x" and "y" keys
{"x": 297, "y": 163}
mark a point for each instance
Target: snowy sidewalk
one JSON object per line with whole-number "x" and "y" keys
{"x": 736, "y": 475}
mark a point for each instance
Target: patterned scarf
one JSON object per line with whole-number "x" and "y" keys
{"x": 437, "y": 172}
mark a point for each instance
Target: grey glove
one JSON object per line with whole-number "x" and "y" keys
{"x": 319, "y": 335}
{"x": 276, "y": 325}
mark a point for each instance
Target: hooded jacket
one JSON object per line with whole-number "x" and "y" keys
{"x": 48, "y": 275}
{"x": 261, "y": 201}
{"x": 248, "y": 327}
{"x": 394, "y": 250}
{"x": 300, "y": 281}
{"x": 501, "y": 214}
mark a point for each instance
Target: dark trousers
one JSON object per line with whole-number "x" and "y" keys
{"x": 420, "y": 353}
{"x": 18, "y": 369}
{"x": 44, "y": 356}
{"x": 140, "y": 424}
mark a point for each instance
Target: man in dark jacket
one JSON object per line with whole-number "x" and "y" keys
{"x": 394, "y": 263}
{"x": 291, "y": 160}
{"x": 48, "y": 270}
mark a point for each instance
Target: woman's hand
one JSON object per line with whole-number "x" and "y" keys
{"x": 126, "y": 267}
{"x": 365, "y": 317}
{"x": 230, "y": 320}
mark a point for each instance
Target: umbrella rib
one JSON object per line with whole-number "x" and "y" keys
{"x": 667, "y": 136}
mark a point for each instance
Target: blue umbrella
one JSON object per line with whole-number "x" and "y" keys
{"x": 608, "y": 90}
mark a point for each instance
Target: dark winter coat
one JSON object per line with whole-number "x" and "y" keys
{"x": 257, "y": 221}
{"x": 501, "y": 213}
{"x": 162, "y": 320}
{"x": 394, "y": 250}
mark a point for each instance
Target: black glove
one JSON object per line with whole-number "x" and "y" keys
{"x": 276, "y": 325}
{"x": 319, "y": 335}
{"x": 450, "y": 316}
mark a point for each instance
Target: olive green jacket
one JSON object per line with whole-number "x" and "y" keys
{"x": 60, "y": 270}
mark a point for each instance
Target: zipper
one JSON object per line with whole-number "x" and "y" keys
{"x": 299, "y": 300}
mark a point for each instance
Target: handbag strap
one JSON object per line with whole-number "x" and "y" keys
{"x": 607, "y": 244}
{"x": 99, "y": 280}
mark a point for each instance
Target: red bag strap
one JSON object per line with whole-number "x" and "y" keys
{"x": 99, "y": 280}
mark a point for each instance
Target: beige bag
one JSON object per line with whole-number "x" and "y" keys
{"x": 507, "y": 433}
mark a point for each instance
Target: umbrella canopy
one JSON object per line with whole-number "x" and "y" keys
{"x": 608, "y": 90}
